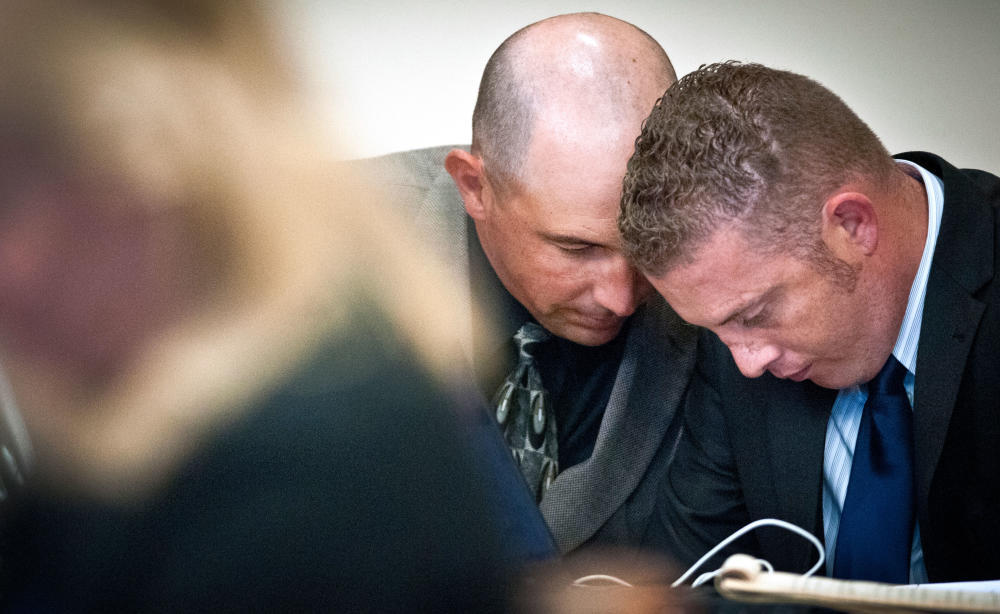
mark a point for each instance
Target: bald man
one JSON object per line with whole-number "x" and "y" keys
{"x": 592, "y": 364}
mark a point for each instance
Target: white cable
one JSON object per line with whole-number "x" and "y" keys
{"x": 750, "y": 527}
{"x": 703, "y": 578}
{"x": 599, "y": 576}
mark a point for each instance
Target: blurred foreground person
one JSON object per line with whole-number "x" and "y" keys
{"x": 229, "y": 411}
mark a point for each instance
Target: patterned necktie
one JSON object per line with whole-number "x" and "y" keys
{"x": 523, "y": 411}
{"x": 876, "y": 525}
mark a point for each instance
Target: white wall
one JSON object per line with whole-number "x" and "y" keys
{"x": 925, "y": 74}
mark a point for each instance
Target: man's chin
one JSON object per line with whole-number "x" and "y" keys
{"x": 833, "y": 381}
{"x": 587, "y": 334}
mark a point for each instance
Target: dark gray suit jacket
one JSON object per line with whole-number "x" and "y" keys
{"x": 610, "y": 497}
{"x": 754, "y": 448}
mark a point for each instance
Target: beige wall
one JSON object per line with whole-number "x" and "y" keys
{"x": 925, "y": 74}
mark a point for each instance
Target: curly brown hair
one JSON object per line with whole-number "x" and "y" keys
{"x": 734, "y": 142}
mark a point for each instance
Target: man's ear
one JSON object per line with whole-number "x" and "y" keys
{"x": 850, "y": 224}
{"x": 466, "y": 170}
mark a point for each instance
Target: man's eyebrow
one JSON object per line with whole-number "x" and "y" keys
{"x": 737, "y": 311}
{"x": 748, "y": 305}
{"x": 556, "y": 237}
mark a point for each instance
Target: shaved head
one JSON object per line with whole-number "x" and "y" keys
{"x": 582, "y": 76}
{"x": 560, "y": 106}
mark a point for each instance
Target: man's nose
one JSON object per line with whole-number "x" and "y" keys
{"x": 752, "y": 357}
{"x": 620, "y": 288}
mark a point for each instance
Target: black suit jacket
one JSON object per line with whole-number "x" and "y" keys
{"x": 754, "y": 448}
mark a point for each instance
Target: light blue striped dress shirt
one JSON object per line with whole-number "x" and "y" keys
{"x": 845, "y": 417}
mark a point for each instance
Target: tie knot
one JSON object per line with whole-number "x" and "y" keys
{"x": 528, "y": 336}
{"x": 890, "y": 379}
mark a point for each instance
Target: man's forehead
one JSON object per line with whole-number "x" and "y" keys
{"x": 723, "y": 275}
{"x": 577, "y": 167}
{"x": 563, "y": 217}
{"x": 704, "y": 300}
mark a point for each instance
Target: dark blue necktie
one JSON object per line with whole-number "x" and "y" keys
{"x": 876, "y": 525}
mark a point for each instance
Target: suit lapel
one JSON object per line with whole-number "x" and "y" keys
{"x": 963, "y": 263}
{"x": 796, "y": 430}
{"x": 655, "y": 368}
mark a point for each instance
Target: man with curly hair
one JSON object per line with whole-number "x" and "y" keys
{"x": 849, "y": 381}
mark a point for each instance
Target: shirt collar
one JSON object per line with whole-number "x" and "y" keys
{"x": 905, "y": 349}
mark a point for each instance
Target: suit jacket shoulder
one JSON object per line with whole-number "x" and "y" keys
{"x": 415, "y": 181}
{"x": 415, "y": 185}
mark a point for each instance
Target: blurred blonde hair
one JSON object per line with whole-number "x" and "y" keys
{"x": 192, "y": 106}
